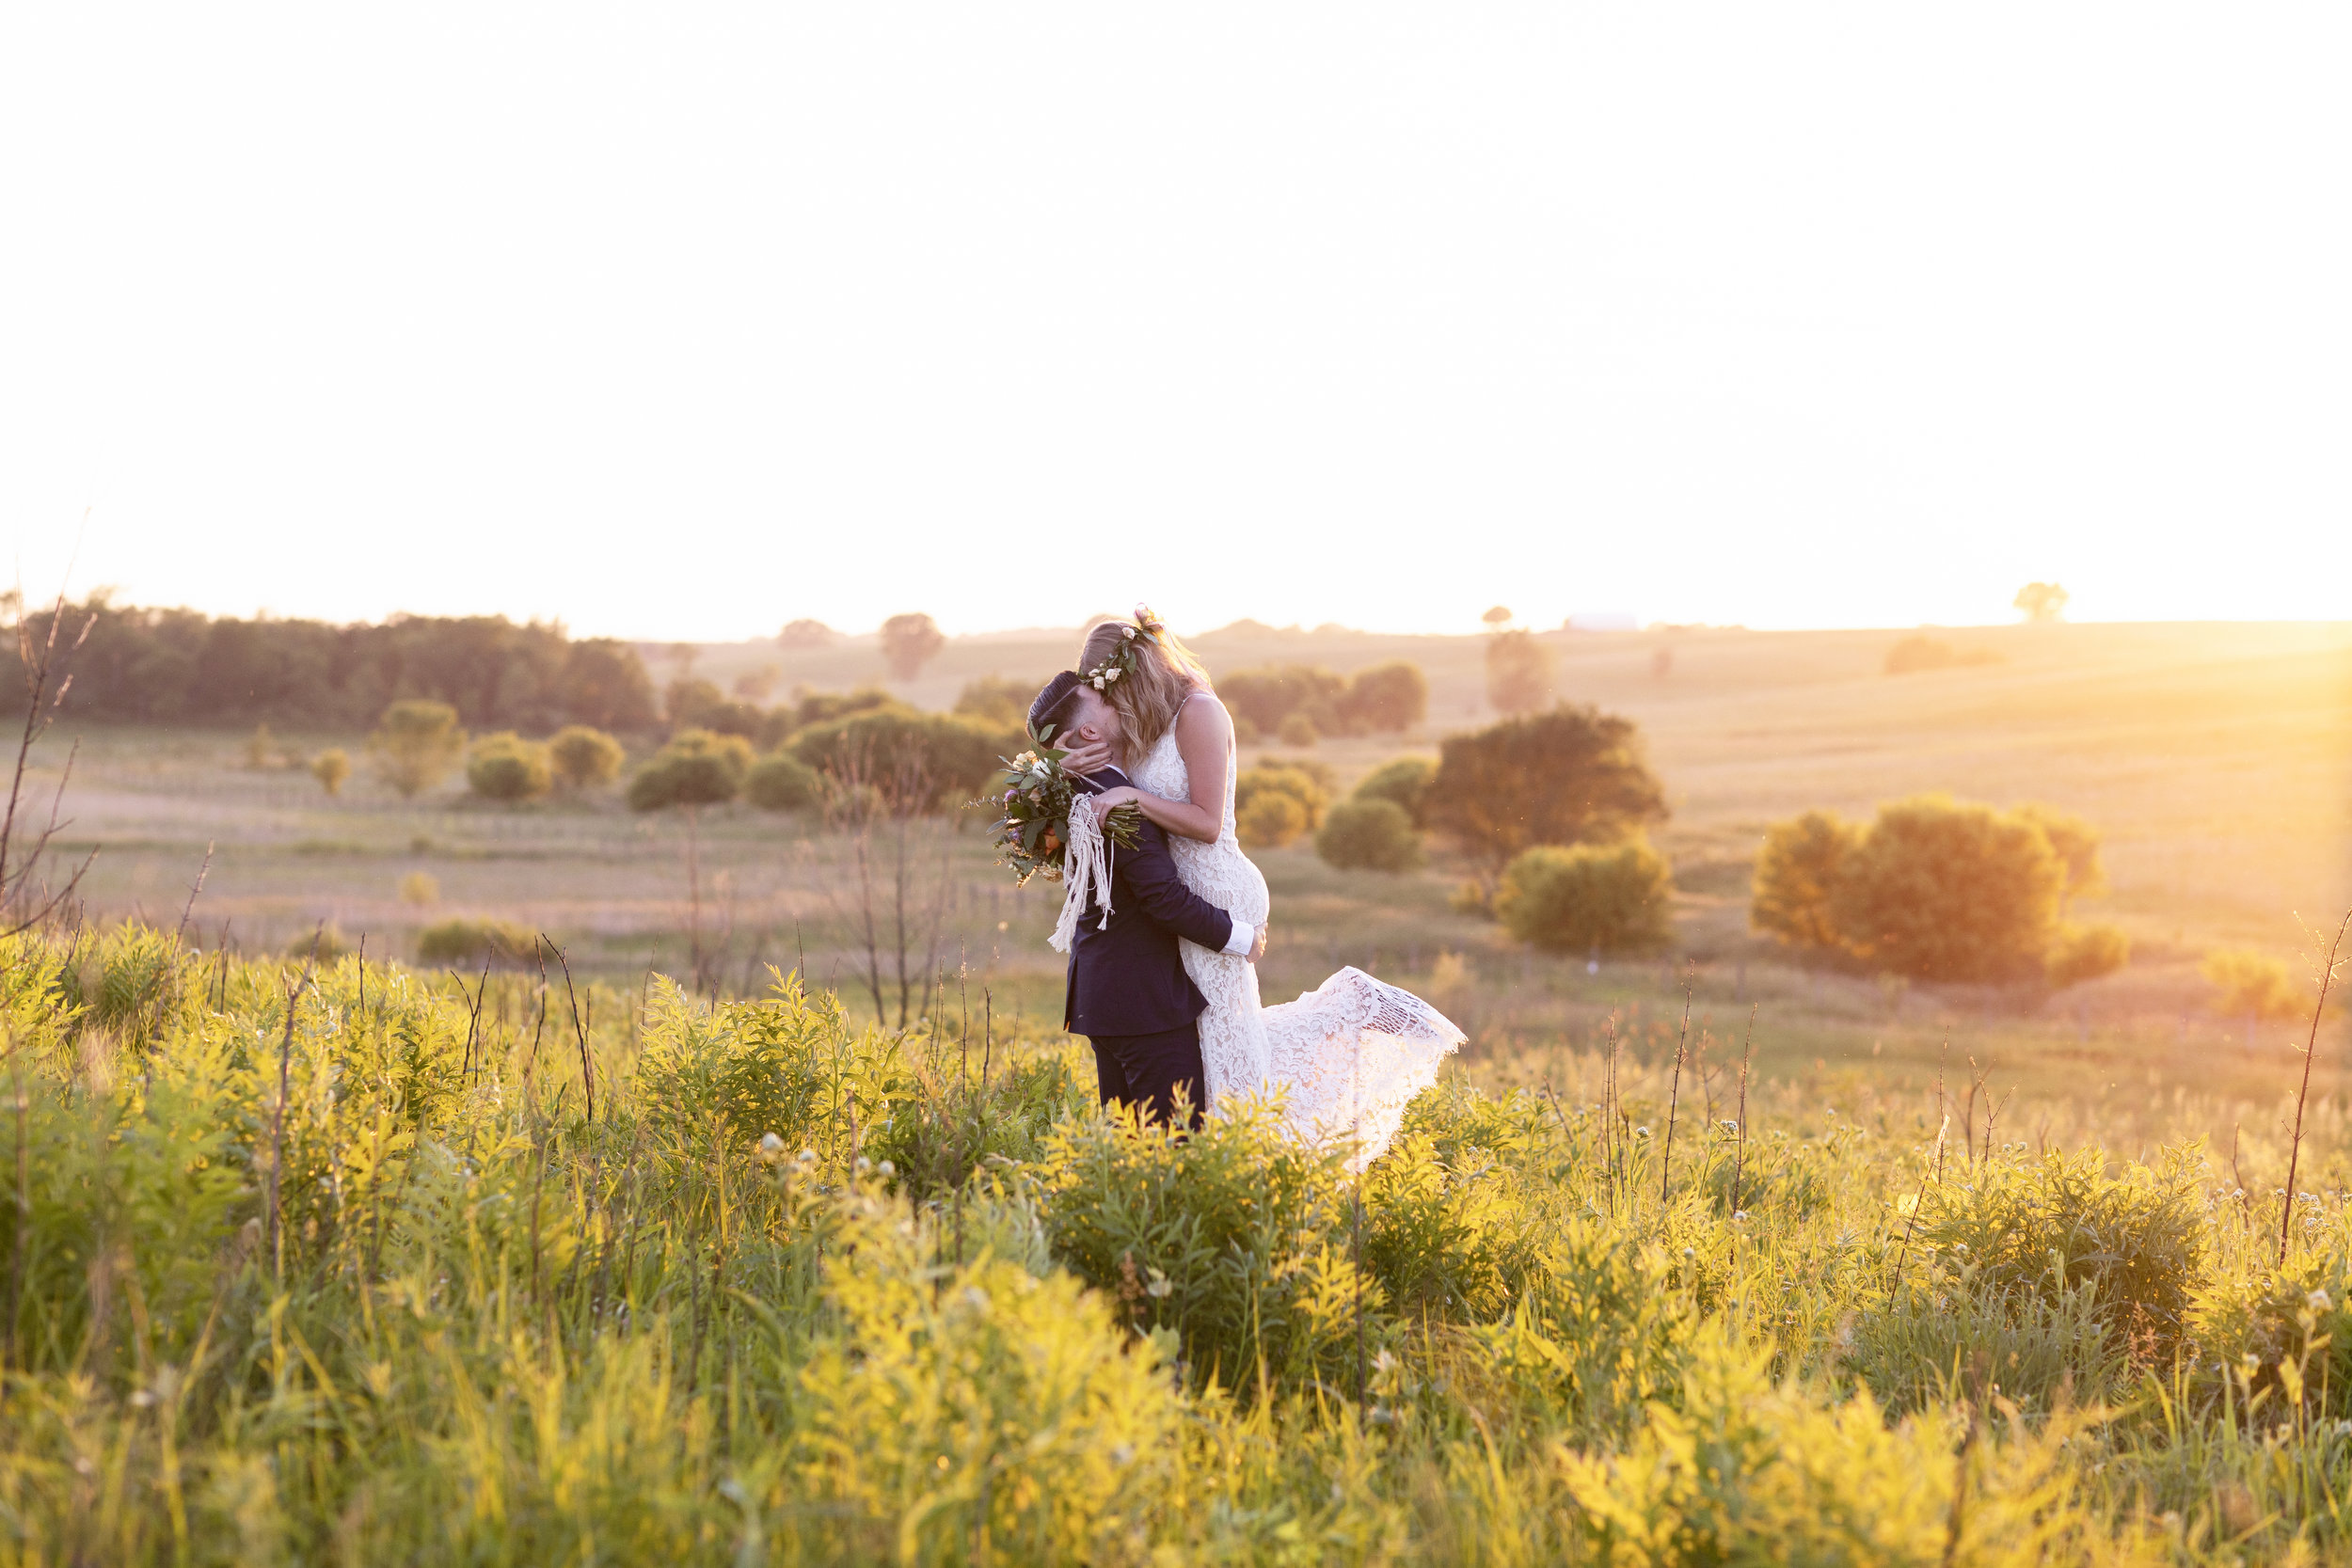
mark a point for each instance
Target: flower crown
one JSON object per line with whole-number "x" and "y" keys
{"x": 1122, "y": 660}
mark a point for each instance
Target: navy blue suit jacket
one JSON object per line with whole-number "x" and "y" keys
{"x": 1128, "y": 978}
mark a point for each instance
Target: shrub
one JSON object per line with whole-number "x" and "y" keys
{"x": 1271, "y": 693}
{"x": 695, "y": 769}
{"x": 1299, "y": 730}
{"x": 1518, "y": 671}
{"x": 582, "y": 757}
{"x": 1618, "y": 899}
{"x": 1938, "y": 889}
{"x": 1369, "y": 835}
{"x": 943, "y": 759}
{"x": 1571, "y": 776}
{"x": 1922, "y": 652}
{"x": 1307, "y": 785}
{"x": 2046, "y": 1226}
{"x": 2076, "y": 844}
{"x": 506, "y": 767}
{"x": 699, "y": 705}
{"x": 421, "y": 888}
{"x": 2086, "y": 953}
{"x": 1795, "y": 871}
{"x": 460, "y": 940}
{"x": 1389, "y": 697}
{"x": 331, "y": 767}
{"x": 782, "y": 783}
{"x": 1404, "y": 781}
{"x": 1246, "y": 731}
{"x": 260, "y": 748}
{"x": 416, "y": 743}
{"x": 998, "y": 701}
{"x": 1229, "y": 1237}
{"x": 909, "y": 643}
{"x": 1270, "y": 821}
{"x": 2249, "y": 985}
{"x": 978, "y": 1401}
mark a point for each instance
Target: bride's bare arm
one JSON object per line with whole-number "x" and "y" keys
{"x": 1204, "y": 734}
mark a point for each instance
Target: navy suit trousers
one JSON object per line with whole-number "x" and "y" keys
{"x": 1144, "y": 1072}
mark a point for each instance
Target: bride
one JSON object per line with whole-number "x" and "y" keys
{"x": 1343, "y": 1059}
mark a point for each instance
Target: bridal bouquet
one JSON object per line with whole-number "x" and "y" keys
{"x": 1034, "y": 833}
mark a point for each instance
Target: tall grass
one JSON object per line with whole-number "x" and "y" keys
{"x": 348, "y": 1272}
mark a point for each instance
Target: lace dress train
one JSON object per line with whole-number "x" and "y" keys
{"x": 1346, "y": 1058}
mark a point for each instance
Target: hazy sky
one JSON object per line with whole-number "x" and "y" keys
{"x": 686, "y": 320}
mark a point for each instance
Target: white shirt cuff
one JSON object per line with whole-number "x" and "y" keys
{"x": 1244, "y": 937}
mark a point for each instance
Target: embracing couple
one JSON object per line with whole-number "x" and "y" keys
{"x": 1163, "y": 982}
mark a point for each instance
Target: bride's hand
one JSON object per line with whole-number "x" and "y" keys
{"x": 1111, "y": 799}
{"x": 1091, "y": 757}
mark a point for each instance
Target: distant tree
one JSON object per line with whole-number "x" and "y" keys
{"x": 416, "y": 743}
{"x": 697, "y": 705}
{"x": 420, "y": 888}
{"x": 807, "y": 634}
{"x": 2041, "y": 601}
{"x": 1939, "y": 890}
{"x": 1617, "y": 898}
{"x": 1795, "y": 872}
{"x": 783, "y": 783}
{"x": 1571, "y": 776}
{"x": 604, "y": 684}
{"x": 1518, "y": 671}
{"x": 1405, "y": 781}
{"x": 1389, "y": 697}
{"x": 820, "y": 708}
{"x": 994, "y": 700}
{"x": 909, "y": 643}
{"x": 583, "y": 757}
{"x": 757, "y": 685}
{"x": 1299, "y": 730}
{"x": 506, "y": 767}
{"x": 1497, "y": 618}
{"x": 1369, "y": 834}
{"x": 2085, "y": 953}
{"x": 696, "y": 768}
{"x": 331, "y": 767}
{"x": 2076, "y": 843}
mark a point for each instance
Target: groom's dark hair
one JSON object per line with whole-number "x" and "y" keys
{"x": 1056, "y": 705}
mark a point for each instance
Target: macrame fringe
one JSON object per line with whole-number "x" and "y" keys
{"x": 1086, "y": 876}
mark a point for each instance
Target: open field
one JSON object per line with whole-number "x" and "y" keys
{"x": 2217, "y": 760}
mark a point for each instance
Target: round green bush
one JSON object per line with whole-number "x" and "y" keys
{"x": 1403, "y": 780}
{"x": 1369, "y": 835}
{"x": 695, "y": 769}
{"x": 1296, "y": 779}
{"x": 1271, "y": 820}
{"x": 1616, "y": 898}
{"x": 506, "y": 767}
{"x": 1299, "y": 730}
{"x": 582, "y": 756}
{"x": 2086, "y": 953}
{"x": 780, "y": 782}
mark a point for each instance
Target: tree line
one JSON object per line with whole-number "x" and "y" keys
{"x": 181, "y": 666}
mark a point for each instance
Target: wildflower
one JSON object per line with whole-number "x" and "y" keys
{"x": 887, "y": 1169}
{"x": 1123, "y": 1455}
{"x": 1161, "y": 1287}
{"x": 2319, "y": 1301}
{"x": 807, "y": 1156}
{"x": 1127, "y": 632}
{"x": 770, "y": 1146}
{"x": 975, "y": 1298}
{"x": 863, "y": 1163}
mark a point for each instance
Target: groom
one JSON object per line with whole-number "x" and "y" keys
{"x": 1128, "y": 992}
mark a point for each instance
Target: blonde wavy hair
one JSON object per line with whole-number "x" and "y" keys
{"x": 1158, "y": 673}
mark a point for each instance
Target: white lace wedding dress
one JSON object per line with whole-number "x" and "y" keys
{"x": 1346, "y": 1057}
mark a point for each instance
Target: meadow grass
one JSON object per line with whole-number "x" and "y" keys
{"x": 336, "y": 1265}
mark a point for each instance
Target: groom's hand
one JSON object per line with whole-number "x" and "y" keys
{"x": 1088, "y": 757}
{"x": 1257, "y": 948}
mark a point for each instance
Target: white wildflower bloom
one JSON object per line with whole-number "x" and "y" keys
{"x": 2319, "y": 1301}
{"x": 770, "y": 1144}
{"x": 887, "y": 1168}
